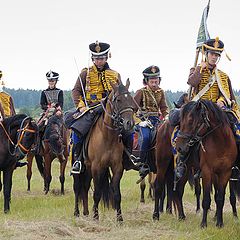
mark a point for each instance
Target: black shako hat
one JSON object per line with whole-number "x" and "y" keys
{"x": 214, "y": 46}
{"x": 52, "y": 75}
{"x": 99, "y": 49}
{"x": 151, "y": 72}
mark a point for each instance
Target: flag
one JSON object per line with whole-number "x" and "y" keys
{"x": 203, "y": 34}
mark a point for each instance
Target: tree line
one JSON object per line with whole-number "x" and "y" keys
{"x": 28, "y": 100}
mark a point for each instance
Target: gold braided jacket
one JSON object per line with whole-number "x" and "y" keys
{"x": 199, "y": 80}
{"x": 152, "y": 101}
{"x": 96, "y": 85}
{"x": 7, "y": 104}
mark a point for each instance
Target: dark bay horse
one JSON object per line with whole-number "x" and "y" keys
{"x": 204, "y": 124}
{"x": 18, "y": 134}
{"x": 104, "y": 152}
{"x": 55, "y": 145}
{"x": 165, "y": 166}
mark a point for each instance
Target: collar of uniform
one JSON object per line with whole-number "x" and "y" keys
{"x": 149, "y": 89}
{"x": 106, "y": 66}
{"x": 50, "y": 89}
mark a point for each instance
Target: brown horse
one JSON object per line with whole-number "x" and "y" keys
{"x": 104, "y": 152}
{"x": 18, "y": 134}
{"x": 55, "y": 146}
{"x": 205, "y": 125}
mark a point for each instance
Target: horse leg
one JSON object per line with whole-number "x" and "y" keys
{"x": 7, "y": 187}
{"x": 206, "y": 201}
{"x": 63, "y": 162}
{"x": 29, "y": 169}
{"x": 161, "y": 202}
{"x": 117, "y": 193}
{"x": 97, "y": 180}
{"x": 47, "y": 173}
{"x": 221, "y": 187}
{"x": 76, "y": 189}
{"x": 142, "y": 188}
{"x": 158, "y": 189}
{"x": 232, "y": 198}
{"x": 220, "y": 202}
{"x": 86, "y": 187}
{"x": 0, "y": 182}
{"x": 197, "y": 189}
{"x": 169, "y": 185}
{"x": 178, "y": 195}
{"x": 151, "y": 179}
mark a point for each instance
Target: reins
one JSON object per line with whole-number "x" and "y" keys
{"x": 22, "y": 131}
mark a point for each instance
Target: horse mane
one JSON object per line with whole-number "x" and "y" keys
{"x": 52, "y": 120}
{"x": 14, "y": 120}
{"x": 195, "y": 108}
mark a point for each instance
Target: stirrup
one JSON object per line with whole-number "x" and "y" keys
{"x": 235, "y": 175}
{"x": 134, "y": 159}
{"x": 75, "y": 169}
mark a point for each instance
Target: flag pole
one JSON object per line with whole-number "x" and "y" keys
{"x": 203, "y": 35}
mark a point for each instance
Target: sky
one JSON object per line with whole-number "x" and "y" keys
{"x": 38, "y": 36}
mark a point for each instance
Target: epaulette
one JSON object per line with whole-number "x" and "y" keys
{"x": 84, "y": 70}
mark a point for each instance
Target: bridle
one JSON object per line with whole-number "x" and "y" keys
{"x": 20, "y": 135}
{"x": 204, "y": 123}
{"x": 116, "y": 112}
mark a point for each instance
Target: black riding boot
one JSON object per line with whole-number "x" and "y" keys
{"x": 181, "y": 167}
{"x": 144, "y": 169}
{"x": 76, "y": 159}
{"x": 129, "y": 160}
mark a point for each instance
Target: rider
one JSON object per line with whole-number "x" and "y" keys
{"x": 92, "y": 85}
{"x": 211, "y": 84}
{"x": 6, "y": 101}
{"x": 7, "y": 109}
{"x": 152, "y": 103}
{"x": 51, "y": 101}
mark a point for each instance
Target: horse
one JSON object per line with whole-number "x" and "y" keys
{"x": 18, "y": 135}
{"x": 55, "y": 146}
{"x": 205, "y": 126}
{"x": 104, "y": 152}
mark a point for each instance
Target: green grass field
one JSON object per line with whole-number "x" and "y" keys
{"x": 37, "y": 216}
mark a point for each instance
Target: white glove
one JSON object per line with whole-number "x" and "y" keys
{"x": 143, "y": 124}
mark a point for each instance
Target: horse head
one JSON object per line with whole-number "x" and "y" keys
{"x": 54, "y": 134}
{"x": 198, "y": 120}
{"x": 122, "y": 106}
{"x": 21, "y": 132}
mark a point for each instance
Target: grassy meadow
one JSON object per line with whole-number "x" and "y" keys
{"x": 37, "y": 216}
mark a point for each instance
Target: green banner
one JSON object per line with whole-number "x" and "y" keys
{"x": 203, "y": 34}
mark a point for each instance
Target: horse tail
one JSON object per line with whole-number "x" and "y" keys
{"x": 106, "y": 190}
{"x": 40, "y": 164}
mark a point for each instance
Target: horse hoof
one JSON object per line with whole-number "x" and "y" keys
{"x": 6, "y": 211}
{"x": 76, "y": 214}
{"x": 155, "y": 217}
{"x": 119, "y": 219}
{"x": 219, "y": 225}
{"x": 203, "y": 225}
{"x": 142, "y": 200}
{"x": 182, "y": 218}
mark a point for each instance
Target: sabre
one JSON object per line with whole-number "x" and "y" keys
{"x": 80, "y": 80}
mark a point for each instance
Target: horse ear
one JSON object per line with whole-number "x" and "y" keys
{"x": 113, "y": 85}
{"x": 127, "y": 83}
{"x": 199, "y": 104}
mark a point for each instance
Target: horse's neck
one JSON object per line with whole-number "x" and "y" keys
{"x": 106, "y": 125}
